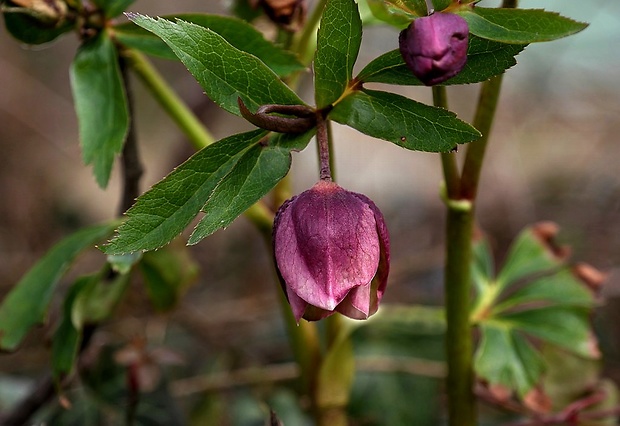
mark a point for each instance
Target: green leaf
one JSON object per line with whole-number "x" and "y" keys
{"x": 164, "y": 211}
{"x": 167, "y": 274}
{"x": 231, "y": 174}
{"x": 224, "y": 72}
{"x": 528, "y": 255}
{"x": 540, "y": 300}
{"x": 521, "y": 26}
{"x": 236, "y": 32}
{"x": 338, "y": 43}
{"x": 396, "y": 13}
{"x": 254, "y": 175}
{"x": 100, "y": 104}
{"x": 96, "y": 301}
{"x": 507, "y": 358}
{"x": 66, "y": 340}
{"x": 26, "y": 304}
{"x": 560, "y": 286}
{"x": 483, "y": 266}
{"x": 113, "y": 8}
{"x": 403, "y": 121}
{"x": 29, "y": 29}
{"x": 485, "y": 59}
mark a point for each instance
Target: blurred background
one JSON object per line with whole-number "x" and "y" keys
{"x": 554, "y": 155}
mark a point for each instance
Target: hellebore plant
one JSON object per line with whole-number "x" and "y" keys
{"x": 331, "y": 245}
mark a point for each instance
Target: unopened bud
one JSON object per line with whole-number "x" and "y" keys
{"x": 435, "y": 47}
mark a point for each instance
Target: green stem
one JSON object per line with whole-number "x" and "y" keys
{"x": 448, "y": 159}
{"x": 483, "y": 120}
{"x": 187, "y": 121}
{"x": 459, "y": 347}
{"x": 302, "y": 43}
{"x": 304, "y": 340}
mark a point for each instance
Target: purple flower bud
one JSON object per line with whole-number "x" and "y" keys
{"x": 435, "y": 47}
{"x": 332, "y": 253}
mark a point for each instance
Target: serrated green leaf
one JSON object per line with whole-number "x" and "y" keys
{"x": 521, "y": 26}
{"x": 100, "y": 104}
{"x": 224, "y": 72}
{"x": 98, "y": 298}
{"x": 254, "y": 175}
{"x": 67, "y": 337}
{"x": 507, "y": 358}
{"x": 403, "y": 121}
{"x": 167, "y": 208}
{"x": 338, "y": 43}
{"x": 26, "y": 304}
{"x": 113, "y": 8}
{"x": 30, "y": 30}
{"x": 485, "y": 59}
{"x": 167, "y": 274}
{"x": 236, "y": 32}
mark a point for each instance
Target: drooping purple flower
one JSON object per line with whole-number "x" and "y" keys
{"x": 435, "y": 47}
{"x": 332, "y": 253}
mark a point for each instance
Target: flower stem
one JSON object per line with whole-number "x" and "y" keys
{"x": 448, "y": 159}
{"x": 459, "y": 347}
{"x": 187, "y": 121}
{"x": 322, "y": 138}
{"x": 487, "y": 104}
{"x": 457, "y": 287}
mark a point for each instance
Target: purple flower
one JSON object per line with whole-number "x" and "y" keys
{"x": 332, "y": 253}
{"x": 435, "y": 47}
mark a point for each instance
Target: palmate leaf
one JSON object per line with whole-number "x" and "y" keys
{"x": 100, "y": 104}
{"x": 485, "y": 59}
{"x": 238, "y": 33}
{"x": 224, "y": 72}
{"x": 403, "y": 121}
{"x": 338, "y": 43}
{"x": 539, "y": 299}
{"x": 223, "y": 179}
{"x": 26, "y": 304}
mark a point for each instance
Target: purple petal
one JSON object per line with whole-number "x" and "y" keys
{"x": 326, "y": 243}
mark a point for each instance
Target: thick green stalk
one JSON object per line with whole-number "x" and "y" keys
{"x": 459, "y": 347}
{"x": 187, "y": 121}
{"x": 457, "y": 288}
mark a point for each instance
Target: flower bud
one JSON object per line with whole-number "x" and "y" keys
{"x": 332, "y": 253}
{"x": 435, "y": 47}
